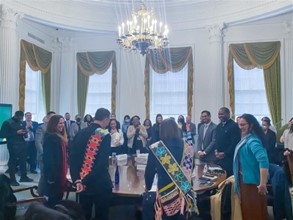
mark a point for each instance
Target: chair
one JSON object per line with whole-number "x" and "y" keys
{"x": 63, "y": 210}
{"x": 8, "y": 201}
{"x": 224, "y": 204}
{"x": 34, "y": 198}
{"x": 278, "y": 193}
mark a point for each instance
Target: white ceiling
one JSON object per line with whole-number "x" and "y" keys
{"x": 105, "y": 15}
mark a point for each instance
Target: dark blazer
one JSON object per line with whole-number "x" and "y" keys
{"x": 192, "y": 129}
{"x": 98, "y": 180}
{"x": 34, "y": 128}
{"x": 270, "y": 145}
{"x": 208, "y": 143}
{"x": 227, "y": 137}
{"x": 155, "y": 133}
{"x": 65, "y": 125}
{"x": 9, "y": 130}
{"x": 53, "y": 162}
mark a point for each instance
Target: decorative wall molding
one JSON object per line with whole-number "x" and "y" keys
{"x": 9, "y": 17}
{"x": 63, "y": 43}
{"x": 288, "y": 27}
{"x": 216, "y": 32}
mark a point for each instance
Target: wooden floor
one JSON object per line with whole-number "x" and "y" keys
{"x": 125, "y": 212}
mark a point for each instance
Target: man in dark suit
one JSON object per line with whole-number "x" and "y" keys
{"x": 227, "y": 137}
{"x": 206, "y": 138}
{"x": 190, "y": 127}
{"x": 68, "y": 123}
{"x": 31, "y": 127}
{"x": 15, "y": 133}
{"x": 91, "y": 175}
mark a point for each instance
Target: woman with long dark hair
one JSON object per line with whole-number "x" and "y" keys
{"x": 156, "y": 128}
{"x": 55, "y": 159}
{"x": 88, "y": 119}
{"x": 148, "y": 126}
{"x": 169, "y": 134}
{"x": 182, "y": 126}
{"x": 117, "y": 139}
{"x": 137, "y": 135}
{"x": 250, "y": 168}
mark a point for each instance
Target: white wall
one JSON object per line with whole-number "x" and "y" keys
{"x": 209, "y": 56}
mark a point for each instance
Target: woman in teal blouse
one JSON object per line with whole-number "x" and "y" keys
{"x": 250, "y": 169}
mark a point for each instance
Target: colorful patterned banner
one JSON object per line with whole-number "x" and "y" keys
{"x": 91, "y": 151}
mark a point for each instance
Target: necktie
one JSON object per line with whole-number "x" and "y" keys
{"x": 204, "y": 134}
{"x": 205, "y": 130}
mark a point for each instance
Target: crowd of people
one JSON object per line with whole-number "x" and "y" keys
{"x": 245, "y": 149}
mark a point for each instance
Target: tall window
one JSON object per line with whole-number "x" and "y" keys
{"x": 168, "y": 93}
{"x": 34, "y": 101}
{"x": 250, "y": 94}
{"x": 99, "y": 92}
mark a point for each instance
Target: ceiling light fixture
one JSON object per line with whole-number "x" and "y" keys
{"x": 143, "y": 32}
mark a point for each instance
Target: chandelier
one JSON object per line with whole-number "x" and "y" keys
{"x": 143, "y": 32}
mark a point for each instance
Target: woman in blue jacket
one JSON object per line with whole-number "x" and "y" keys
{"x": 250, "y": 169}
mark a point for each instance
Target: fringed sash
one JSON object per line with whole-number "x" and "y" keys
{"x": 91, "y": 151}
{"x": 176, "y": 173}
{"x": 188, "y": 155}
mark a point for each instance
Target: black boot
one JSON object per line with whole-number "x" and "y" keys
{"x": 13, "y": 181}
{"x": 25, "y": 179}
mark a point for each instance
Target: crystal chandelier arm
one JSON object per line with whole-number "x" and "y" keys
{"x": 142, "y": 32}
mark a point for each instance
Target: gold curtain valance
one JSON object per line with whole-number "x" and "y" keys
{"x": 38, "y": 59}
{"x": 170, "y": 59}
{"x": 267, "y": 56}
{"x": 89, "y": 63}
{"x": 251, "y": 55}
{"x": 173, "y": 59}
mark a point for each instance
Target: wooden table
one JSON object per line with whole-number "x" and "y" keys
{"x": 199, "y": 172}
{"x": 132, "y": 183}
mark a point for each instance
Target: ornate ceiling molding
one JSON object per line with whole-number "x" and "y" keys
{"x": 101, "y": 16}
{"x": 9, "y": 17}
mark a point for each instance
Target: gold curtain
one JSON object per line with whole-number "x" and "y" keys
{"x": 39, "y": 60}
{"x": 89, "y": 63}
{"x": 267, "y": 56}
{"x": 162, "y": 61}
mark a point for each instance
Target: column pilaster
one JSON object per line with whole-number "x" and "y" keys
{"x": 216, "y": 68}
{"x": 9, "y": 58}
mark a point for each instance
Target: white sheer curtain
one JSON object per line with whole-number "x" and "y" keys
{"x": 34, "y": 101}
{"x": 99, "y": 92}
{"x": 168, "y": 93}
{"x": 250, "y": 94}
